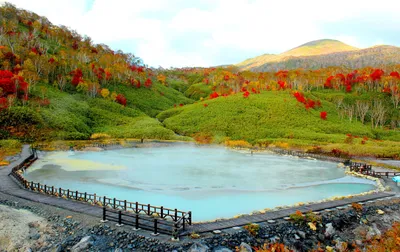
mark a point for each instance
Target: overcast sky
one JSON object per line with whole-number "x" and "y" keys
{"x": 214, "y": 32}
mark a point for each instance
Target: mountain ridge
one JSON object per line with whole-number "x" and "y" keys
{"x": 323, "y": 53}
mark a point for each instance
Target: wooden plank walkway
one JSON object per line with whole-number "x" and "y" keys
{"x": 9, "y": 186}
{"x": 278, "y": 214}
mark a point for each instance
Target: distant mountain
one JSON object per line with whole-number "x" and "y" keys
{"x": 324, "y": 53}
{"x": 318, "y": 47}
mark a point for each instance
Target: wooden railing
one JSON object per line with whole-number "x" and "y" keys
{"x": 367, "y": 170}
{"x": 152, "y": 223}
{"x": 362, "y": 168}
{"x": 161, "y": 217}
{"x": 306, "y": 154}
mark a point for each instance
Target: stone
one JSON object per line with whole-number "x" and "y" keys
{"x": 244, "y": 247}
{"x": 296, "y": 237}
{"x": 223, "y": 250}
{"x": 83, "y": 244}
{"x": 340, "y": 246}
{"x": 35, "y": 236}
{"x": 379, "y": 211}
{"x": 271, "y": 221}
{"x": 198, "y": 247}
{"x": 373, "y": 232}
{"x": 217, "y": 231}
{"x": 329, "y": 230}
{"x": 301, "y": 234}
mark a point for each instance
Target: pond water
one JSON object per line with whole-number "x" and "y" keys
{"x": 212, "y": 182}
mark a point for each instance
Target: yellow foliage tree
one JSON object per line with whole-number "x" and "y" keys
{"x": 114, "y": 95}
{"x": 105, "y": 92}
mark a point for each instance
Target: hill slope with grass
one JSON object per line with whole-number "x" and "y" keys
{"x": 57, "y": 85}
{"x": 275, "y": 117}
{"x": 323, "y": 53}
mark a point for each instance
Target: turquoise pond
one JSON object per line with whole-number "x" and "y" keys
{"x": 211, "y": 181}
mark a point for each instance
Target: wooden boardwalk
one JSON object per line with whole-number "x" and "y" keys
{"x": 9, "y": 186}
{"x": 278, "y": 214}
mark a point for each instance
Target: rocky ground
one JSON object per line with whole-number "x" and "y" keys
{"x": 30, "y": 226}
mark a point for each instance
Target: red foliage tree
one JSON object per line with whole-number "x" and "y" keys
{"x": 214, "y": 95}
{"x": 148, "y": 83}
{"x": 328, "y": 82}
{"x": 395, "y": 74}
{"x": 299, "y": 97}
{"x": 323, "y": 115}
{"x": 377, "y": 74}
{"x": 3, "y": 103}
{"x": 246, "y": 94}
{"x": 76, "y": 77}
{"x": 121, "y": 99}
{"x": 282, "y": 85}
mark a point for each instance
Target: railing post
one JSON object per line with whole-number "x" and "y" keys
{"x": 45, "y": 188}
{"x": 31, "y": 185}
{"x": 104, "y": 201}
{"x": 176, "y": 214}
{"x": 137, "y": 207}
{"x": 38, "y": 187}
{"x": 175, "y": 232}
{"x": 104, "y": 213}
{"x": 387, "y": 174}
{"x": 67, "y": 193}
{"x": 148, "y": 209}
{"x": 114, "y": 203}
{"x": 183, "y": 222}
{"x": 85, "y": 196}
{"x": 95, "y": 200}
{"x": 124, "y": 205}
{"x": 119, "y": 218}
{"x": 190, "y": 217}
{"x": 137, "y": 221}
{"x": 162, "y": 212}
{"x": 155, "y": 227}
{"x": 59, "y": 192}
{"x": 76, "y": 195}
{"x": 52, "y": 190}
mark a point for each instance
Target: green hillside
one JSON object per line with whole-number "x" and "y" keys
{"x": 57, "y": 85}
{"x": 271, "y": 117}
{"x": 77, "y": 117}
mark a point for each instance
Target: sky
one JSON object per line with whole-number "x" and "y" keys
{"x": 185, "y": 33}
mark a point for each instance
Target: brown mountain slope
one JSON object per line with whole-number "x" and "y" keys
{"x": 324, "y": 53}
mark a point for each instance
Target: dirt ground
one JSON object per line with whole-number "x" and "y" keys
{"x": 21, "y": 229}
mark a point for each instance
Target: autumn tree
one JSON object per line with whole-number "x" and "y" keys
{"x": 362, "y": 108}
{"x": 378, "y": 113}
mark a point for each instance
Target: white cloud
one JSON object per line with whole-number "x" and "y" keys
{"x": 261, "y": 26}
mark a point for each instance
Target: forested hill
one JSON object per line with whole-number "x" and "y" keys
{"x": 58, "y": 85}
{"x": 322, "y": 54}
